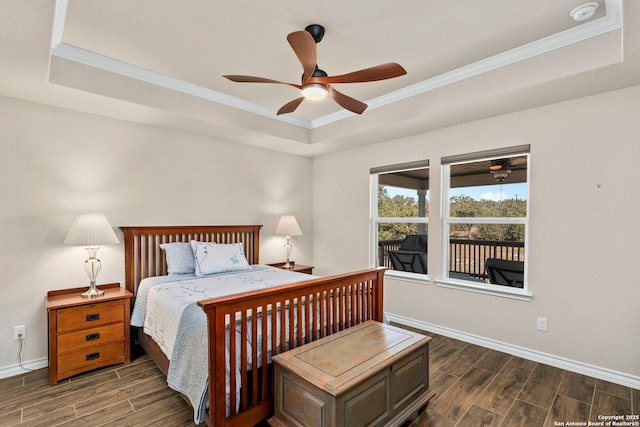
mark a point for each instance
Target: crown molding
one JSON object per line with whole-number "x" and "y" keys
{"x": 611, "y": 22}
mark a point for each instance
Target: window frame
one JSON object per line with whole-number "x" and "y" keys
{"x": 467, "y": 285}
{"x": 376, "y": 220}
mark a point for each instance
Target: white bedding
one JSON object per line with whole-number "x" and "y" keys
{"x": 165, "y": 308}
{"x": 161, "y": 300}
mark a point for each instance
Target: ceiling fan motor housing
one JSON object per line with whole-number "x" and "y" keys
{"x": 317, "y": 73}
{"x": 316, "y": 31}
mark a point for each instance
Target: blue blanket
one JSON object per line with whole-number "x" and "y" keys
{"x": 189, "y": 360}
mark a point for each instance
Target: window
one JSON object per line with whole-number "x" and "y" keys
{"x": 400, "y": 217}
{"x": 485, "y": 221}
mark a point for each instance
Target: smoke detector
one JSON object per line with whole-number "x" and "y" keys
{"x": 584, "y": 11}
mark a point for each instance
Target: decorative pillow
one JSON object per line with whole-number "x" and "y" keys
{"x": 213, "y": 258}
{"x": 179, "y": 256}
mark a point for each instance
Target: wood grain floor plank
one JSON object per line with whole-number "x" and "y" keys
{"x": 153, "y": 396}
{"x": 430, "y": 418}
{"x": 541, "y": 388}
{"x": 440, "y": 382}
{"x": 12, "y": 382}
{"x": 108, "y": 399}
{"x": 460, "y": 363}
{"x": 92, "y": 388}
{"x": 523, "y": 414}
{"x": 11, "y": 418}
{"x": 52, "y": 418}
{"x": 493, "y": 361}
{"x": 479, "y": 417}
{"x": 46, "y": 393}
{"x": 578, "y": 386}
{"x": 183, "y": 418}
{"x": 151, "y": 414}
{"x": 100, "y": 416}
{"x": 443, "y": 352}
{"x": 609, "y": 404}
{"x": 522, "y": 363}
{"x": 39, "y": 376}
{"x": 503, "y": 390}
{"x": 461, "y": 396}
{"x": 566, "y": 409}
{"x": 615, "y": 389}
{"x": 135, "y": 368}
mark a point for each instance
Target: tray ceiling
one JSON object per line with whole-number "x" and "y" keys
{"x": 165, "y": 60}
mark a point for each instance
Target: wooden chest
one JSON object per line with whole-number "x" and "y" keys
{"x": 371, "y": 374}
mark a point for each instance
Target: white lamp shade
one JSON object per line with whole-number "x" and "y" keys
{"x": 288, "y": 226}
{"x": 92, "y": 229}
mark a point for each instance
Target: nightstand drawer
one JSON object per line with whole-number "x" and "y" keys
{"x": 90, "y": 316}
{"x": 90, "y": 337}
{"x": 91, "y": 357}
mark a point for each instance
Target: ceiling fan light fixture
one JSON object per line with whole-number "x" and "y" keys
{"x": 314, "y": 91}
{"x": 501, "y": 175}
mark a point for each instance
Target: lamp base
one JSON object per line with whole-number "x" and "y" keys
{"x": 92, "y": 292}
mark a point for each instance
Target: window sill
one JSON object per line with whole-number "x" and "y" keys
{"x": 407, "y": 277}
{"x": 485, "y": 288}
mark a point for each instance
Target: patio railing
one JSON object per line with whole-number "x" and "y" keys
{"x": 383, "y": 247}
{"x": 466, "y": 256}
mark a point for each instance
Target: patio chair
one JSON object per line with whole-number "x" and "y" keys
{"x": 411, "y": 255}
{"x": 504, "y": 272}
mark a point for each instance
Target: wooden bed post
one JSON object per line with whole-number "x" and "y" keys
{"x": 129, "y": 267}
{"x": 379, "y": 296}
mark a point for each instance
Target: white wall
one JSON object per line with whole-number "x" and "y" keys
{"x": 56, "y": 163}
{"x": 584, "y": 230}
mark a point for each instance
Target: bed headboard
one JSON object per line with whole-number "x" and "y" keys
{"x": 144, "y": 258}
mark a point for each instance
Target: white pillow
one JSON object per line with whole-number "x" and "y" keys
{"x": 213, "y": 258}
{"x": 179, "y": 256}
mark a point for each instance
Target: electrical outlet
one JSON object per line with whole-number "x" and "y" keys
{"x": 542, "y": 324}
{"x": 19, "y": 332}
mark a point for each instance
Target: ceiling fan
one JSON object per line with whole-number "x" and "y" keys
{"x": 500, "y": 164}
{"x": 501, "y": 168}
{"x": 315, "y": 82}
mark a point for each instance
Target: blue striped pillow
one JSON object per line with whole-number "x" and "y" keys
{"x": 179, "y": 256}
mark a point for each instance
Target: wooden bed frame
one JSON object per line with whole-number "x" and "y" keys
{"x": 304, "y": 312}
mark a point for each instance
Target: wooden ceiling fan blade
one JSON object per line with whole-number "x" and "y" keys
{"x": 253, "y": 79}
{"x": 291, "y": 106}
{"x": 347, "y": 102}
{"x": 304, "y": 47}
{"x": 372, "y": 74}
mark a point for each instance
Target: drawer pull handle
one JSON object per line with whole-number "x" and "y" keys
{"x": 91, "y": 317}
{"x": 93, "y": 337}
{"x": 93, "y": 356}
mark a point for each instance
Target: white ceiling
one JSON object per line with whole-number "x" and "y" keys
{"x": 161, "y": 62}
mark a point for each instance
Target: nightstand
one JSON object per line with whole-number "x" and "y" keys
{"x": 87, "y": 333}
{"x": 296, "y": 267}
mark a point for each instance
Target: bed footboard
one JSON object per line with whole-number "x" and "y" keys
{"x": 245, "y": 330}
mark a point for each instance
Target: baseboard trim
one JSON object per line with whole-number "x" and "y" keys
{"x": 526, "y": 353}
{"x": 13, "y": 370}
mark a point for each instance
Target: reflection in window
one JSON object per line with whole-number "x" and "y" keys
{"x": 486, "y": 219}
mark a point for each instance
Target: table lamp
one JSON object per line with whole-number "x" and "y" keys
{"x": 288, "y": 226}
{"x": 91, "y": 231}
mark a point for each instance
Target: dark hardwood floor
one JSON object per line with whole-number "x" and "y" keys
{"x": 474, "y": 386}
